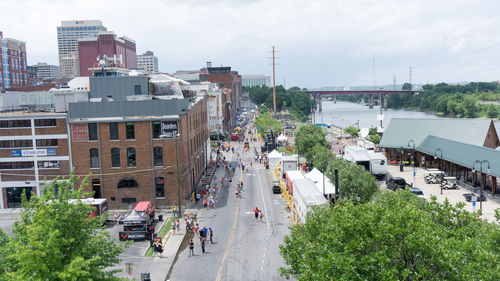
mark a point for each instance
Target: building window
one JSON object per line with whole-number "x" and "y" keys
{"x": 45, "y": 122}
{"x": 156, "y": 129}
{"x": 128, "y": 183}
{"x": 113, "y": 131}
{"x": 128, "y": 200}
{"x": 131, "y": 157}
{"x": 94, "y": 158}
{"x": 92, "y": 131}
{"x": 115, "y": 157}
{"x": 137, "y": 90}
{"x": 14, "y": 195}
{"x": 48, "y": 164}
{"x": 158, "y": 156}
{"x": 160, "y": 186}
{"x": 15, "y": 123}
{"x": 46, "y": 142}
{"x": 15, "y": 143}
{"x": 16, "y": 165}
{"x": 130, "y": 130}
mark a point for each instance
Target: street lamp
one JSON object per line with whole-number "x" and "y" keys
{"x": 440, "y": 172}
{"x": 412, "y": 159}
{"x": 481, "y": 171}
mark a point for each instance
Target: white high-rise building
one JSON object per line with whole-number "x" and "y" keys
{"x": 46, "y": 71}
{"x": 255, "y": 80}
{"x": 148, "y": 61}
{"x": 67, "y": 42}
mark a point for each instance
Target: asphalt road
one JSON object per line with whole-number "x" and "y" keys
{"x": 244, "y": 249}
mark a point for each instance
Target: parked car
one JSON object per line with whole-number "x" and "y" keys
{"x": 416, "y": 191}
{"x": 396, "y": 183}
{"x": 276, "y": 187}
{"x": 468, "y": 197}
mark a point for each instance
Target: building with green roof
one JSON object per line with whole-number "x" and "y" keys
{"x": 458, "y": 143}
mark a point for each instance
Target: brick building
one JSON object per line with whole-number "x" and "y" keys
{"x": 33, "y": 147}
{"x": 129, "y": 147}
{"x": 13, "y": 65}
{"x": 106, "y": 44}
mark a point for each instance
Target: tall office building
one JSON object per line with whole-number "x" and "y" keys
{"x": 106, "y": 44}
{"x": 148, "y": 61}
{"x": 256, "y": 80}
{"x": 67, "y": 42}
{"x": 13, "y": 66}
{"x": 44, "y": 71}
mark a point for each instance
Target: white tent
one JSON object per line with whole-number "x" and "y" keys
{"x": 282, "y": 138}
{"x": 317, "y": 177}
{"x": 274, "y": 157}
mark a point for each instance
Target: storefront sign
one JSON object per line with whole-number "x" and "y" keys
{"x": 135, "y": 235}
{"x": 80, "y": 132}
{"x": 33, "y": 152}
{"x": 169, "y": 129}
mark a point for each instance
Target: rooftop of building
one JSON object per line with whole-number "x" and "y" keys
{"x": 69, "y": 23}
{"x": 402, "y": 130}
{"x": 20, "y": 114}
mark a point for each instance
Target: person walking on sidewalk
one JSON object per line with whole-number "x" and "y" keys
{"x": 174, "y": 226}
{"x": 261, "y": 216}
{"x": 191, "y": 247}
{"x": 211, "y": 233}
{"x": 178, "y": 227}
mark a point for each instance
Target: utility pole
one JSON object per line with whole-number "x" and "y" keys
{"x": 274, "y": 84}
{"x": 411, "y": 85}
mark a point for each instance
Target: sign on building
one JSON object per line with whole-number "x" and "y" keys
{"x": 33, "y": 152}
{"x": 169, "y": 129}
{"x": 80, "y": 132}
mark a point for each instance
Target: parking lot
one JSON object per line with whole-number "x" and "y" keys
{"x": 453, "y": 196}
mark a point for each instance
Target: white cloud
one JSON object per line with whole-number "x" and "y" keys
{"x": 320, "y": 42}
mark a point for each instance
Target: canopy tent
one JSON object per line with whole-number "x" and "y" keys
{"x": 282, "y": 138}
{"x": 317, "y": 177}
{"x": 134, "y": 217}
{"x": 274, "y": 157}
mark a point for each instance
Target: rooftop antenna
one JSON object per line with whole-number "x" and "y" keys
{"x": 411, "y": 85}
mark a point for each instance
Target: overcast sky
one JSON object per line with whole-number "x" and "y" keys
{"x": 320, "y": 42}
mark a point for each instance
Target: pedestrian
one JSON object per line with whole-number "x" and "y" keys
{"x": 188, "y": 225}
{"x": 261, "y": 216}
{"x": 191, "y": 247}
{"x": 202, "y": 244}
{"x": 205, "y": 203}
{"x": 198, "y": 197}
{"x": 178, "y": 226}
{"x": 160, "y": 248}
{"x": 256, "y": 213}
{"x": 211, "y": 233}
{"x": 174, "y": 226}
{"x": 155, "y": 247}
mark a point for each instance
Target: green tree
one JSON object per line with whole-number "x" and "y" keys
{"x": 322, "y": 156}
{"x": 307, "y": 137}
{"x": 398, "y": 236}
{"x": 265, "y": 123}
{"x": 406, "y": 87}
{"x": 492, "y": 111}
{"x": 469, "y": 106}
{"x": 351, "y": 130}
{"x": 55, "y": 240}
{"x": 354, "y": 180}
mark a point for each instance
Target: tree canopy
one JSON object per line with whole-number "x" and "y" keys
{"x": 322, "y": 156}
{"x": 307, "y": 137}
{"x": 55, "y": 239}
{"x": 354, "y": 180}
{"x": 265, "y": 123}
{"x": 351, "y": 130}
{"x": 397, "y": 236}
{"x": 293, "y": 99}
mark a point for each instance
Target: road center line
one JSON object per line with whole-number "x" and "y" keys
{"x": 233, "y": 230}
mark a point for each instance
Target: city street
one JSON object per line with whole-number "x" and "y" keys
{"x": 243, "y": 248}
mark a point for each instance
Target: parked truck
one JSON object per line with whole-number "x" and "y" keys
{"x": 374, "y": 162}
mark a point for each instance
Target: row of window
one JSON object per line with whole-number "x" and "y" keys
{"x": 129, "y": 130}
{"x": 27, "y": 123}
{"x": 28, "y": 143}
{"x": 131, "y": 157}
{"x": 29, "y": 165}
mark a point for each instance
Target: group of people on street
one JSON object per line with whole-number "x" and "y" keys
{"x": 258, "y": 214}
{"x": 203, "y": 233}
{"x": 176, "y": 227}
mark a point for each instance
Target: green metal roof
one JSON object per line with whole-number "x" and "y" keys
{"x": 401, "y": 130}
{"x": 462, "y": 153}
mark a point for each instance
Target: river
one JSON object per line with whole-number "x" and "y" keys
{"x": 343, "y": 114}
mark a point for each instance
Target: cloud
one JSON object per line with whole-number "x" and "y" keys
{"x": 321, "y": 42}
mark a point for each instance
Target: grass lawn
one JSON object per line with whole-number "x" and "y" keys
{"x": 164, "y": 234}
